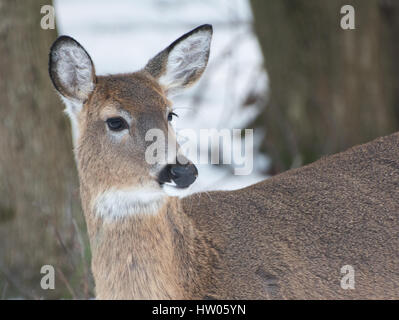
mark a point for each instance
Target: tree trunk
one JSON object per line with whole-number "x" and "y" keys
{"x": 330, "y": 88}
{"x": 39, "y": 199}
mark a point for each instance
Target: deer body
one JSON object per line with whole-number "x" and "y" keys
{"x": 285, "y": 238}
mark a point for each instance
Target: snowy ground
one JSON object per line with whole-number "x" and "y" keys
{"x": 121, "y": 35}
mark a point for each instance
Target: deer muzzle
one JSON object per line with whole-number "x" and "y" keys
{"x": 182, "y": 175}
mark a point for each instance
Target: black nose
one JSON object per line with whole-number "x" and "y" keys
{"x": 182, "y": 175}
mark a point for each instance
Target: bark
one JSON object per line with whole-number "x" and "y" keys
{"x": 38, "y": 182}
{"x": 330, "y": 88}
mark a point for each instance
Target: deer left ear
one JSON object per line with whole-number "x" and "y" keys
{"x": 71, "y": 69}
{"x": 182, "y": 63}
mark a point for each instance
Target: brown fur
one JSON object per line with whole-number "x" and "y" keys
{"x": 289, "y": 236}
{"x": 286, "y": 237}
{"x": 136, "y": 268}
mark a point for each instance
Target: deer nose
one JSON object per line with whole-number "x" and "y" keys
{"x": 182, "y": 175}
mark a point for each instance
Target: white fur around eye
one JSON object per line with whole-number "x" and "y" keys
{"x": 118, "y": 136}
{"x": 187, "y": 57}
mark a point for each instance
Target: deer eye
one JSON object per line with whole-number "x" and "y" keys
{"x": 116, "y": 124}
{"x": 170, "y": 116}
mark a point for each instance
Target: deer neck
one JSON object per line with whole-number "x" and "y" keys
{"x": 144, "y": 256}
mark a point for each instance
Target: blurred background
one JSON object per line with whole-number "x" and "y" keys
{"x": 285, "y": 68}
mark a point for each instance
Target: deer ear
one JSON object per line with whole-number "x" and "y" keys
{"x": 183, "y": 62}
{"x": 71, "y": 69}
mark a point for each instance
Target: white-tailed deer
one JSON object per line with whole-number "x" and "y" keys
{"x": 287, "y": 237}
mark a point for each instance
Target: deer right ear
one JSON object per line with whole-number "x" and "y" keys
{"x": 183, "y": 62}
{"x": 71, "y": 69}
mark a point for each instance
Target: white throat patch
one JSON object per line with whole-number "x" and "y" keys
{"x": 119, "y": 203}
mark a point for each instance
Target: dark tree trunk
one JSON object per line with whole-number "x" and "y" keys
{"x": 330, "y": 88}
{"x": 38, "y": 183}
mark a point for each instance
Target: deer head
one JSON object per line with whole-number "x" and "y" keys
{"x": 111, "y": 115}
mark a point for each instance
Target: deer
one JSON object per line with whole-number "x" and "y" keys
{"x": 328, "y": 230}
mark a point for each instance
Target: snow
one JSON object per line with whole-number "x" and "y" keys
{"x": 122, "y": 35}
